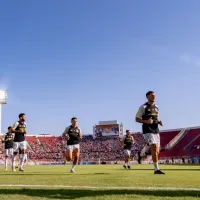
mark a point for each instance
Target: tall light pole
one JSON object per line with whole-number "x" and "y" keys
{"x": 3, "y": 100}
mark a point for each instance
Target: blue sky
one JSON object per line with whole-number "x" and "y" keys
{"x": 97, "y": 59}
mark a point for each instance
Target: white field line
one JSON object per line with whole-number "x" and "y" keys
{"x": 103, "y": 187}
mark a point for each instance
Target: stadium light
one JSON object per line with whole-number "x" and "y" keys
{"x": 3, "y": 100}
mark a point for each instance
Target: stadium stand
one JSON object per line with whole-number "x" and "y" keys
{"x": 180, "y": 150}
{"x": 167, "y": 136}
{"x": 48, "y": 149}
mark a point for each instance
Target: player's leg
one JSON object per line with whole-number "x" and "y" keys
{"x": 64, "y": 151}
{"x": 6, "y": 163}
{"x": 146, "y": 151}
{"x": 126, "y": 158}
{"x": 22, "y": 159}
{"x": 155, "y": 149}
{"x": 15, "y": 150}
{"x": 76, "y": 152}
{"x": 17, "y": 164}
{"x": 8, "y": 153}
{"x": 69, "y": 153}
{"x": 23, "y": 155}
{"x": 6, "y": 159}
{"x": 65, "y": 156}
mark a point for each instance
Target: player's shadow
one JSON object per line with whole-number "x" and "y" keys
{"x": 139, "y": 169}
{"x": 35, "y": 174}
{"x": 82, "y": 193}
{"x": 51, "y": 174}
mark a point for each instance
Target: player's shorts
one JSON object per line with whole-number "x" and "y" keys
{"x": 152, "y": 138}
{"x": 73, "y": 147}
{"x": 127, "y": 152}
{"x": 19, "y": 145}
{"x": 8, "y": 152}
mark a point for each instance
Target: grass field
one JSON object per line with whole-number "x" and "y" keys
{"x": 101, "y": 182}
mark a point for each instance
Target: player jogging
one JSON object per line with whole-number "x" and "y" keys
{"x": 19, "y": 128}
{"x": 73, "y": 135}
{"x": 128, "y": 141}
{"x": 148, "y": 116}
{"x": 8, "y": 141}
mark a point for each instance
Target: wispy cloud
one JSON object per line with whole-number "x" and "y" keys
{"x": 170, "y": 53}
{"x": 190, "y": 59}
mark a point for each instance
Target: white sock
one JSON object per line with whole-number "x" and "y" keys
{"x": 22, "y": 158}
{"x": 25, "y": 158}
{"x": 156, "y": 166}
{"x": 144, "y": 150}
{"x": 6, "y": 162}
{"x": 13, "y": 161}
{"x": 142, "y": 154}
{"x": 73, "y": 167}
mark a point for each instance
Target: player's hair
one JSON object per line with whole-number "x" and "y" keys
{"x": 9, "y": 127}
{"x": 73, "y": 118}
{"x": 21, "y": 114}
{"x": 149, "y": 92}
{"x": 127, "y": 131}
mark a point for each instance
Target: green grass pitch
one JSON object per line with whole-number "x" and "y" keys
{"x": 101, "y": 182}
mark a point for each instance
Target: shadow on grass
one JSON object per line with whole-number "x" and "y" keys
{"x": 50, "y": 174}
{"x": 80, "y": 193}
{"x": 139, "y": 169}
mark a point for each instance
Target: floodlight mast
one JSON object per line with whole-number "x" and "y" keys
{"x": 3, "y": 100}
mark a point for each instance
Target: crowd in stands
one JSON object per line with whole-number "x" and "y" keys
{"x": 50, "y": 148}
{"x": 45, "y": 148}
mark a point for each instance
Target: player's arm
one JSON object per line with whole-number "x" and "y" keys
{"x": 15, "y": 125}
{"x": 65, "y": 135}
{"x": 160, "y": 122}
{"x": 25, "y": 130}
{"x": 133, "y": 141}
{"x": 123, "y": 138}
{"x": 122, "y": 141}
{"x": 80, "y": 135}
{"x": 3, "y": 140}
{"x": 139, "y": 115}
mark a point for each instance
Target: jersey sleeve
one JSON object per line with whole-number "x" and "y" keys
{"x": 140, "y": 111}
{"x": 123, "y": 138}
{"x": 157, "y": 109}
{"x": 15, "y": 125}
{"x": 132, "y": 138}
{"x": 81, "y": 133}
{"x": 65, "y": 132}
{"x": 4, "y": 137}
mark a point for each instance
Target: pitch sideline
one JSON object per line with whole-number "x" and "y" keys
{"x": 101, "y": 188}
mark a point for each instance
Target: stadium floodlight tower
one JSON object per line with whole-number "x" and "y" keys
{"x": 3, "y": 100}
